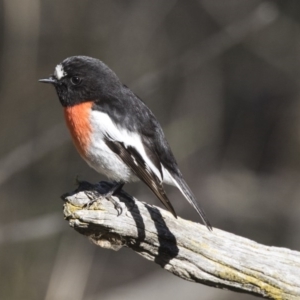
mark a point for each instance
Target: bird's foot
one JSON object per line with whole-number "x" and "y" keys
{"x": 95, "y": 196}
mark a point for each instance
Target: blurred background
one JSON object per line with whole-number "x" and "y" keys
{"x": 223, "y": 79}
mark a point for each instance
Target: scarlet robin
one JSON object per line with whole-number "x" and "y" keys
{"x": 114, "y": 131}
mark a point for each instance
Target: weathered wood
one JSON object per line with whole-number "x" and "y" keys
{"x": 186, "y": 249}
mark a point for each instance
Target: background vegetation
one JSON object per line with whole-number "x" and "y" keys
{"x": 223, "y": 79}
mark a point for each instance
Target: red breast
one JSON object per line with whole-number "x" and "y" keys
{"x": 77, "y": 119}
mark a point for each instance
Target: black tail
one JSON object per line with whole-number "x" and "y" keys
{"x": 189, "y": 196}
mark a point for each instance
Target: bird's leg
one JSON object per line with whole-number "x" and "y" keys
{"x": 116, "y": 188}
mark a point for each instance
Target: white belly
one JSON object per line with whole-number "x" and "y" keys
{"x": 106, "y": 162}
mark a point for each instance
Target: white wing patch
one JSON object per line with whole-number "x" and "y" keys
{"x": 102, "y": 123}
{"x": 168, "y": 178}
{"x": 59, "y": 72}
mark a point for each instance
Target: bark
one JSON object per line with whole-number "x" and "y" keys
{"x": 186, "y": 249}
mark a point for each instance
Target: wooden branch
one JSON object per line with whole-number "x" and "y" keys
{"x": 186, "y": 249}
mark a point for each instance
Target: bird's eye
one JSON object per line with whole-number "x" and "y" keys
{"x": 75, "y": 80}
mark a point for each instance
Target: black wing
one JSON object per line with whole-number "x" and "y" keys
{"x": 140, "y": 119}
{"x": 136, "y": 163}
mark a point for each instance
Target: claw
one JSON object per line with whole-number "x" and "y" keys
{"x": 95, "y": 196}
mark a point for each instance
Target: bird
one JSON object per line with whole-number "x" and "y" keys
{"x": 114, "y": 131}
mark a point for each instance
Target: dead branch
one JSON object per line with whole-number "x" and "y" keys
{"x": 188, "y": 250}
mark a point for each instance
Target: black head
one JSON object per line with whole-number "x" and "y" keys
{"x": 81, "y": 78}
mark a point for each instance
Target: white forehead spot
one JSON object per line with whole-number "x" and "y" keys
{"x": 59, "y": 72}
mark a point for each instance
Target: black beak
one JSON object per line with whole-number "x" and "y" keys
{"x": 48, "y": 80}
